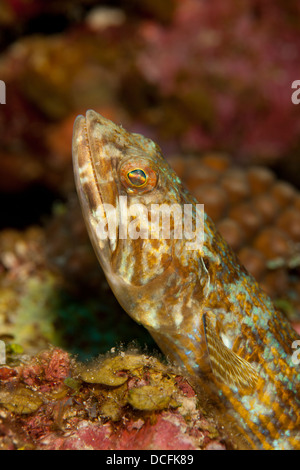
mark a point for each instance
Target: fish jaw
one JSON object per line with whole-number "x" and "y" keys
{"x": 92, "y": 193}
{"x": 94, "y": 185}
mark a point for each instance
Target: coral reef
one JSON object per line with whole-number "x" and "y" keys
{"x": 224, "y": 76}
{"x": 212, "y": 84}
{"x": 125, "y": 401}
{"x": 44, "y": 299}
{"x": 182, "y": 71}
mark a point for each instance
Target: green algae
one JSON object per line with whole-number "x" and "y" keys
{"x": 103, "y": 375}
{"x": 40, "y": 311}
{"x": 20, "y": 400}
{"x": 14, "y": 349}
{"x": 113, "y": 371}
{"x": 152, "y": 397}
{"x": 34, "y": 325}
{"x": 72, "y": 383}
{"x": 114, "y": 401}
{"x": 131, "y": 379}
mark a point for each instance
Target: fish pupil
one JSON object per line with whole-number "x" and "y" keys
{"x": 137, "y": 177}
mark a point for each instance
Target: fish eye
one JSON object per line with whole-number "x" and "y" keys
{"x": 137, "y": 177}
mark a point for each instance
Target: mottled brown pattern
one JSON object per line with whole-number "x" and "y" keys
{"x": 227, "y": 190}
{"x": 172, "y": 296}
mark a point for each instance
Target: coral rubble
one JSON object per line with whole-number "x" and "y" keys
{"x": 126, "y": 401}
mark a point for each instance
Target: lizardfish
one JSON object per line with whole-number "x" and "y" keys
{"x": 204, "y": 310}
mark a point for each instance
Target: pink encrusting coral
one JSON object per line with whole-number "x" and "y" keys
{"x": 230, "y": 73}
{"x": 167, "y": 433}
{"x": 47, "y": 371}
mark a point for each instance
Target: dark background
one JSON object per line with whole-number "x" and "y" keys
{"x": 194, "y": 75}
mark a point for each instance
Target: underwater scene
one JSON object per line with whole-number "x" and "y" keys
{"x": 138, "y": 344}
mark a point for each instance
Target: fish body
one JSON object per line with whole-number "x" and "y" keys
{"x": 204, "y": 310}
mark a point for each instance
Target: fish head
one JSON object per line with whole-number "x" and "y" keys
{"x": 133, "y": 204}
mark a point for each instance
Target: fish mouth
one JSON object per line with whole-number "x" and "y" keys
{"x": 95, "y": 178}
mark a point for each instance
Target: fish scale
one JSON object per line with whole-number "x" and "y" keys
{"x": 257, "y": 214}
{"x": 202, "y": 307}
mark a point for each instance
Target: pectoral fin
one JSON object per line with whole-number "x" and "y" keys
{"x": 227, "y": 366}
